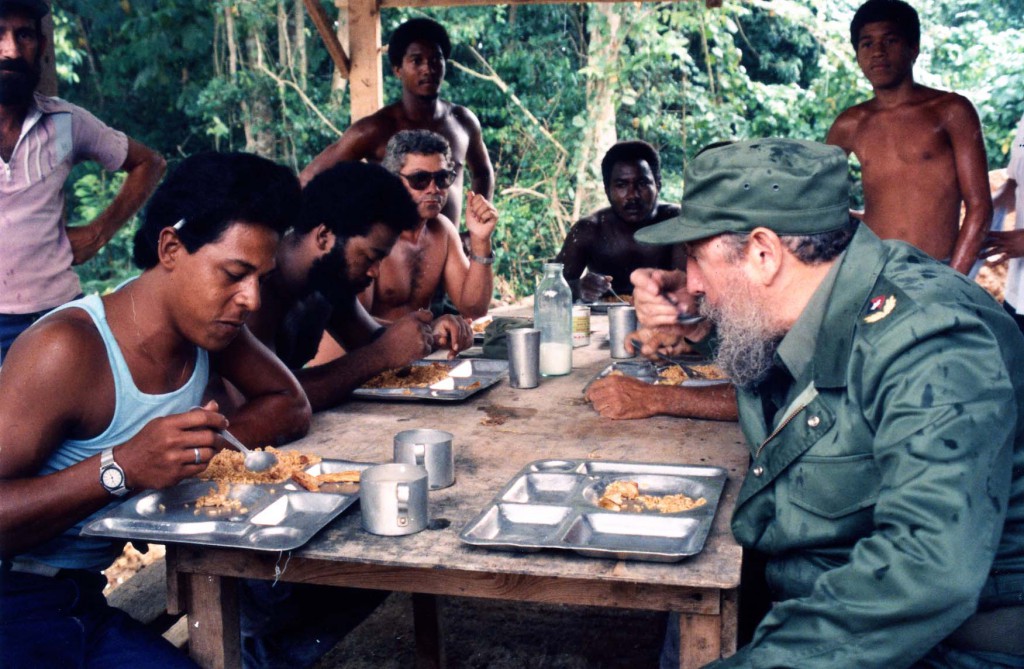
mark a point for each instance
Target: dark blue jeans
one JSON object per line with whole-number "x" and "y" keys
{"x": 12, "y": 325}
{"x": 65, "y": 622}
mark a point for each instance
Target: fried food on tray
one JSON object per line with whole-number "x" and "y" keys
{"x": 228, "y": 466}
{"x": 313, "y": 483}
{"x": 625, "y": 496}
{"x": 417, "y": 376}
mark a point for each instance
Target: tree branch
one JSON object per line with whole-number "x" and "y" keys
{"x": 309, "y": 103}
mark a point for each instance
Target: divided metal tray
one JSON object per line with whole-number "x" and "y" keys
{"x": 647, "y": 371}
{"x": 273, "y": 517}
{"x": 553, "y": 504}
{"x": 466, "y": 378}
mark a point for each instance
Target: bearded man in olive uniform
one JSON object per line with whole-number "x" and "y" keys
{"x": 882, "y": 395}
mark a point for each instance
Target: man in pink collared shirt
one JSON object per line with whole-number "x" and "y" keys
{"x": 41, "y": 139}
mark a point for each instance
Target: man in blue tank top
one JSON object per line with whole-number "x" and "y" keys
{"x": 96, "y": 402}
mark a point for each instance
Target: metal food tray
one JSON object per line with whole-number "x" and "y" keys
{"x": 601, "y": 307}
{"x": 273, "y": 517}
{"x": 647, "y": 371}
{"x": 553, "y": 504}
{"x": 466, "y": 378}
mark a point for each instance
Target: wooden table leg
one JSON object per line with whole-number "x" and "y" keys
{"x": 214, "y": 639}
{"x": 730, "y": 621}
{"x": 426, "y": 617}
{"x": 700, "y": 639}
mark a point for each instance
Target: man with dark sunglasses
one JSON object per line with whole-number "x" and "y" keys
{"x": 418, "y": 51}
{"x": 432, "y": 254}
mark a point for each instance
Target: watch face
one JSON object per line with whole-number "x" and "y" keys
{"x": 112, "y": 478}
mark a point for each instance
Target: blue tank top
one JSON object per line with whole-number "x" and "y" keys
{"x": 133, "y": 409}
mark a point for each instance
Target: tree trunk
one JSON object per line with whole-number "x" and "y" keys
{"x": 301, "y": 60}
{"x": 605, "y": 21}
{"x": 339, "y": 83}
{"x": 260, "y": 121}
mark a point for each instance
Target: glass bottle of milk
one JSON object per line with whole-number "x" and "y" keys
{"x": 552, "y": 315}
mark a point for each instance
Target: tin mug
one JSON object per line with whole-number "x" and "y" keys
{"x": 431, "y": 449}
{"x": 393, "y": 499}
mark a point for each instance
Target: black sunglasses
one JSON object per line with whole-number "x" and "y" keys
{"x": 421, "y": 180}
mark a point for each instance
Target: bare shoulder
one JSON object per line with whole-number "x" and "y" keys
{"x": 844, "y": 128}
{"x": 955, "y": 107}
{"x": 464, "y": 117}
{"x": 442, "y": 225}
{"x": 381, "y": 124}
{"x": 63, "y": 350}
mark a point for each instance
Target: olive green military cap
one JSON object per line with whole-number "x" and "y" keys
{"x": 791, "y": 186}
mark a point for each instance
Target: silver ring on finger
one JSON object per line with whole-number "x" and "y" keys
{"x": 199, "y": 459}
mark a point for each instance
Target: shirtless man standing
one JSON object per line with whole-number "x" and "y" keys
{"x": 431, "y": 254}
{"x": 603, "y": 242}
{"x": 418, "y": 51}
{"x": 920, "y": 149}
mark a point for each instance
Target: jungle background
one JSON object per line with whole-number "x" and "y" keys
{"x": 553, "y": 86}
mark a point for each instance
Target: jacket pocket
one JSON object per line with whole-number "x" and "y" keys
{"x": 833, "y": 487}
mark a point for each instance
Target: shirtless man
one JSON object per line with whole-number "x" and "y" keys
{"x": 920, "y": 149}
{"x": 418, "y": 51}
{"x": 96, "y": 402}
{"x": 350, "y": 218}
{"x": 603, "y": 243}
{"x": 431, "y": 254}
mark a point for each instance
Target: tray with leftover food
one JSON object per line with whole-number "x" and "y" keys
{"x": 445, "y": 380}
{"x": 621, "y": 510}
{"x": 690, "y": 371}
{"x": 277, "y": 510}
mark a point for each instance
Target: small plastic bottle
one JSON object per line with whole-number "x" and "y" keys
{"x": 552, "y": 315}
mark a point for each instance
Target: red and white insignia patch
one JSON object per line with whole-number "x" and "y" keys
{"x": 880, "y": 307}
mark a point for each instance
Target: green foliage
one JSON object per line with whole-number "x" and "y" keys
{"x": 685, "y": 76}
{"x": 92, "y": 191}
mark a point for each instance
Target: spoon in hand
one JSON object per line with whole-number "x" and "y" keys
{"x": 255, "y": 461}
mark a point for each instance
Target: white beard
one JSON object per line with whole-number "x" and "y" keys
{"x": 747, "y": 339}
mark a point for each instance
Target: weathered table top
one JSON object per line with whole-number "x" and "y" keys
{"x": 497, "y": 432}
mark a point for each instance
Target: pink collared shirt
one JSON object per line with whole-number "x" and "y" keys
{"x": 35, "y": 255}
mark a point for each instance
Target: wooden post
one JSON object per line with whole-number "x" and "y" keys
{"x": 48, "y": 81}
{"x": 366, "y": 80}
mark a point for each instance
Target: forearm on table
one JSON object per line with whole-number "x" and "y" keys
{"x": 707, "y": 402}
{"x": 330, "y": 384}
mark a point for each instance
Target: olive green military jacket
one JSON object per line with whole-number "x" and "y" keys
{"x": 881, "y": 493}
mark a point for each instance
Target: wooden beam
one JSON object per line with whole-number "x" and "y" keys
{"x": 326, "y": 30}
{"x": 367, "y": 80}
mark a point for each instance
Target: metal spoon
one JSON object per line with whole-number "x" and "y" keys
{"x": 616, "y": 295}
{"x": 255, "y": 461}
{"x": 690, "y": 319}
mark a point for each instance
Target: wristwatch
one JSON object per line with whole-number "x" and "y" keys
{"x": 483, "y": 260}
{"x": 111, "y": 474}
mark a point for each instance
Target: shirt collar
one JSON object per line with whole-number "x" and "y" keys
{"x": 797, "y": 348}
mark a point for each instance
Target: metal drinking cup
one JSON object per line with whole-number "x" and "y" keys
{"x": 523, "y": 357}
{"x": 393, "y": 499}
{"x": 431, "y": 449}
{"x": 621, "y": 322}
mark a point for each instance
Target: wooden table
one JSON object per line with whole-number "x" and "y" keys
{"x": 496, "y": 433}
